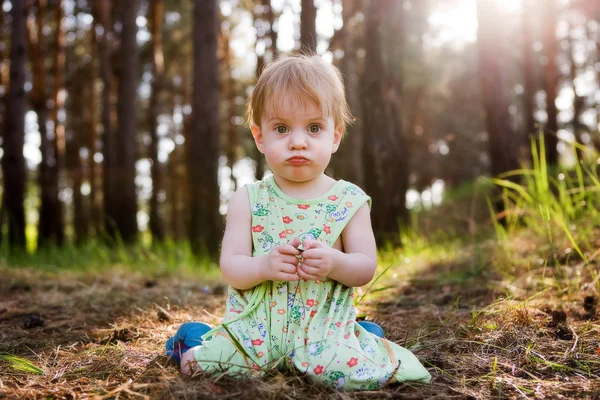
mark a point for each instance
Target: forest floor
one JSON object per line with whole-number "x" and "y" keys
{"x": 489, "y": 320}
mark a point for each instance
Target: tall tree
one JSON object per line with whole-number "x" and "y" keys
{"x": 578, "y": 101}
{"x": 263, "y": 11}
{"x": 384, "y": 153}
{"x": 50, "y": 222}
{"x": 13, "y": 161}
{"x": 75, "y": 135}
{"x": 2, "y": 46}
{"x": 203, "y": 149}
{"x": 551, "y": 81}
{"x": 229, "y": 87}
{"x": 271, "y": 19}
{"x": 78, "y": 81}
{"x": 528, "y": 67}
{"x": 95, "y": 211}
{"x": 156, "y": 18}
{"x": 347, "y": 162}
{"x": 494, "y": 88}
{"x": 103, "y": 31}
{"x": 308, "y": 26}
{"x": 125, "y": 202}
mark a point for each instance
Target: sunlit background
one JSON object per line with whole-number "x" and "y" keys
{"x": 450, "y": 35}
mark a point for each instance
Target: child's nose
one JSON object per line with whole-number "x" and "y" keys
{"x": 297, "y": 140}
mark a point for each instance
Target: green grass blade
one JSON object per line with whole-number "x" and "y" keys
{"x": 21, "y": 364}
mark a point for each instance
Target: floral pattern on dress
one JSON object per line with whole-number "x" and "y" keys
{"x": 309, "y": 326}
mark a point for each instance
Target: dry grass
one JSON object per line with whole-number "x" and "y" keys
{"x": 486, "y": 325}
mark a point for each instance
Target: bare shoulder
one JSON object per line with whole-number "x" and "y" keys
{"x": 239, "y": 202}
{"x": 357, "y": 236}
{"x": 238, "y": 236}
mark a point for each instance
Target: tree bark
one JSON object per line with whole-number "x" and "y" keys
{"x": 203, "y": 149}
{"x": 124, "y": 210}
{"x": 74, "y": 135}
{"x": 528, "y": 71}
{"x": 50, "y": 209}
{"x": 385, "y": 158}
{"x": 3, "y": 74}
{"x": 551, "y": 82}
{"x": 103, "y": 14}
{"x": 95, "y": 211}
{"x": 156, "y": 17}
{"x": 347, "y": 162}
{"x": 272, "y": 19}
{"x": 13, "y": 161}
{"x": 308, "y": 27}
{"x": 578, "y": 101}
{"x": 229, "y": 91}
{"x": 495, "y": 89}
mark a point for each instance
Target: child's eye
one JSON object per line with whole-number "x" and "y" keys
{"x": 314, "y": 129}
{"x": 281, "y": 129}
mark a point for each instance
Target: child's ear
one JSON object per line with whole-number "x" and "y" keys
{"x": 258, "y": 137}
{"x": 337, "y": 138}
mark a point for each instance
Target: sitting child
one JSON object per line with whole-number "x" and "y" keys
{"x": 295, "y": 246}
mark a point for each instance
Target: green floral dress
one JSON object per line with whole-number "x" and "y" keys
{"x": 310, "y": 326}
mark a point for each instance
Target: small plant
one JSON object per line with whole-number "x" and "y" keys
{"x": 20, "y": 364}
{"x": 548, "y": 202}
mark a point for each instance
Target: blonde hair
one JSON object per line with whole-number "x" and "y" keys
{"x": 309, "y": 78}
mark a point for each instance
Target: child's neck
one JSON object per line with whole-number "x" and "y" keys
{"x": 306, "y": 190}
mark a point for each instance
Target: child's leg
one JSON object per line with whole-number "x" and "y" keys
{"x": 189, "y": 364}
{"x": 187, "y": 336}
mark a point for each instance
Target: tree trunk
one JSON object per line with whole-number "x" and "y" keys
{"x": 203, "y": 149}
{"x": 58, "y": 142}
{"x": 308, "y": 27}
{"x": 94, "y": 171}
{"x": 3, "y": 74}
{"x": 271, "y": 19}
{"x": 495, "y": 89}
{"x": 103, "y": 25}
{"x": 528, "y": 71}
{"x": 229, "y": 91}
{"x": 578, "y": 101}
{"x": 347, "y": 162}
{"x": 124, "y": 208}
{"x": 50, "y": 209}
{"x": 156, "y": 17}
{"x": 74, "y": 135}
{"x": 257, "y": 156}
{"x": 551, "y": 82}
{"x": 13, "y": 161}
{"x": 385, "y": 158}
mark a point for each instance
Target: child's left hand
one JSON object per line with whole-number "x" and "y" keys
{"x": 318, "y": 260}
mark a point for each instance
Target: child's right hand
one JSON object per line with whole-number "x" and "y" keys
{"x": 281, "y": 263}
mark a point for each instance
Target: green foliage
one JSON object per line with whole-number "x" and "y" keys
{"x": 550, "y": 201}
{"x": 20, "y": 364}
{"x": 158, "y": 260}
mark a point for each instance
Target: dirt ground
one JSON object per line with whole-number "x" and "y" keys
{"x": 481, "y": 335}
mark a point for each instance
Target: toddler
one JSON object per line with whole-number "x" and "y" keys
{"x": 295, "y": 246}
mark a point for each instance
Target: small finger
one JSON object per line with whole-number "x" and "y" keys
{"x": 313, "y": 253}
{"x": 296, "y": 242}
{"x": 309, "y": 270}
{"x": 287, "y": 249}
{"x": 311, "y": 262}
{"x": 288, "y": 268}
{"x": 290, "y": 259}
{"x": 307, "y": 277}
{"x": 289, "y": 277}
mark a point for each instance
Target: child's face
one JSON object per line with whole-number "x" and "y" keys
{"x": 296, "y": 139}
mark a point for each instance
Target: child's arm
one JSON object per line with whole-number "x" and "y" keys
{"x": 239, "y": 268}
{"x": 353, "y": 267}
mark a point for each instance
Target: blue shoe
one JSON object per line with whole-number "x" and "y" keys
{"x": 372, "y": 327}
{"x": 187, "y": 336}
